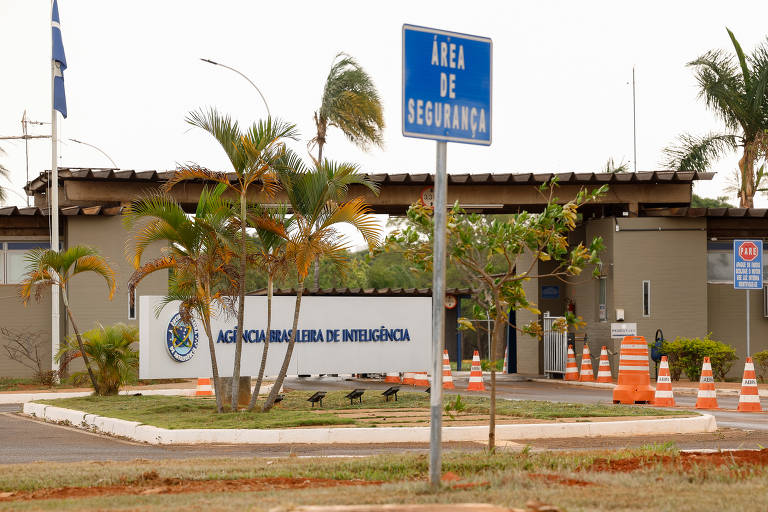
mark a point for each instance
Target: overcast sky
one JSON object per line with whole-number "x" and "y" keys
{"x": 561, "y": 77}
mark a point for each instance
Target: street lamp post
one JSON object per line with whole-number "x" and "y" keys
{"x": 209, "y": 61}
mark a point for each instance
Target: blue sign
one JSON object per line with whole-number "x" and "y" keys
{"x": 446, "y": 85}
{"x": 550, "y": 292}
{"x": 747, "y": 264}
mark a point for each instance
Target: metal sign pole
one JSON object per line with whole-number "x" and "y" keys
{"x": 438, "y": 316}
{"x": 749, "y": 353}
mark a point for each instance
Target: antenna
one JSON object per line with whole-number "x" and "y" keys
{"x": 634, "y": 121}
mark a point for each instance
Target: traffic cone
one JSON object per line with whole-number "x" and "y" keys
{"x": 421, "y": 379}
{"x": 571, "y": 370}
{"x": 604, "y": 368}
{"x": 664, "y": 394}
{"x": 447, "y": 377}
{"x": 707, "y": 397}
{"x": 408, "y": 378}
{"x": 586, "y": 374}
{"x": 392, "y": 378}
{"x": 749, "y": 398}
{"x": 203, "y": 387}
{"x": 476, "y": 374}
{"x": 505, "y": 369}
{"x": 634, "y": 382}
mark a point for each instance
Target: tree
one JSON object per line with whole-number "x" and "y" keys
{"x": 735, "y": 88}
{"x": 110, "y": 350}
{"x": 698, "y": 201}
{"x": 252, "y": 153}
{"x": 613, "y": 168}
{"x": 316, "y": 198}
{"x": 46, "y": 267}
{"x": 274, "y": 261}
{"x": 351, "y": 103}
{"x": 198, "y": 254}
{"x": 492, "y": 250}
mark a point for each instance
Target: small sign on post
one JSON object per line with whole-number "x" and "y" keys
{"x": 748, "y": 270}
{"x": 447, "y": 98}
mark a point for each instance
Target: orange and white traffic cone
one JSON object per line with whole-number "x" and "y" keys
{"x": 421, "y": 379}
{"x": 476, "y": 374}
{"x": 204, "y": 387}
{"x": 664, "y": 394}
{"x": 447, "y": 377}
{"x": 604, "y": 368}
{"x": 408, "y": 378}
{"x": 707, "y": 397}
{"x": 586, "y": 374}
{"x": 634, "y": 383}
{"x": 505, "y": 369}
{"x": 392, "y": 378}
{"x": 571, "y": 370}
{"x": 749, "y": 398}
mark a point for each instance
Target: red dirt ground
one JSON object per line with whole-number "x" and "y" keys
{"x": 149, "y": 483}
{"x": 555, "y": 479}
{"x": 685, "y": 461}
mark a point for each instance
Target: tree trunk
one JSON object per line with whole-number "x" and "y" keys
{"x": 265, "y": 351}
{"x": 240, "y": 307}
{"x": 79, "y": 341}
{"x": 317, "y": 273}
{"x": 499, "y": 328}
{"x": 747, "y": 169}
{"x": 214, "y": 366}
{"x": 243, "y": 395}
{"x": 281, "y": 376}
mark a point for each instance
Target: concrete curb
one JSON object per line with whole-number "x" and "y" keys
{"x": 23, "y": 398}
{"x": 678, "y": 391}
{"x": 345, "y": 435}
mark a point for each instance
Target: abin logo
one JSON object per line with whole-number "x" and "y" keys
{"x": 181, "y": 339}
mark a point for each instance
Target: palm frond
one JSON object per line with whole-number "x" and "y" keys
{"x": 692, "y": 153}
{"x": 195, "y": 172}
{"x": 98, "y": 265}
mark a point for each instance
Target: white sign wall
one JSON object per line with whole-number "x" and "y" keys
{"x": 334, "y": 335}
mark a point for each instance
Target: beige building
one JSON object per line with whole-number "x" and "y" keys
{"x": 665, "y": 265}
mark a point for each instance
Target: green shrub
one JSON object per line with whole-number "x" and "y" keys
{"x": 761, "y": 364}
{"x": 109, "y": 349}
{"x": 687, "y": 355}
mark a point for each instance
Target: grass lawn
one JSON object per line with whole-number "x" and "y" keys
{"x": 294, "y": 411}
{"x": 653, "y": 478}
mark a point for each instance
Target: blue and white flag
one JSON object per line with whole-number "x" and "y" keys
{"x": 59, "y": 63}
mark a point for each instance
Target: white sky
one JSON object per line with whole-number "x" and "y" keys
{"x": 561, "y": 84}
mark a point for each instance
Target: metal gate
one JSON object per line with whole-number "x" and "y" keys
{"x": 555, "y": 346}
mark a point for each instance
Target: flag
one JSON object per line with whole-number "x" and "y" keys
{"x": 59, "y": 63}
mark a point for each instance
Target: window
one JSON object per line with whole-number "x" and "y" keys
{"x": 132, "y": 308}
{"x": 602, "y": 307}
{"x": 646, "y": 298}
{"x": 13, "y": 259}
{"x": 720, "y": 262}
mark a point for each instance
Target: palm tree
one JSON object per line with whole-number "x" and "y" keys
{"x": 110, "y": 350}
{"x": 4, "y": 173}
{"x": 352, "y": 104}
{"x": 46, "y": 267}
{"x": 273, "y": 259}
{"x": 198, "y": 254}
{"x": 315, "y": 198}
{"x": 252, "y": 153}
{"x": 736, "y": 90}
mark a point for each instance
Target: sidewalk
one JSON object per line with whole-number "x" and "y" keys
{"x": 681, "y": 387}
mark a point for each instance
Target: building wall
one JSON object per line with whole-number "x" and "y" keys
{"x": 34, "y": 318}
{"x": 672, "y": 254}
{"x": 584, "y": 290}
{"x": 529, "y": 349}
{"x": 88, "y": 294}
{"x": 727, "y": 321}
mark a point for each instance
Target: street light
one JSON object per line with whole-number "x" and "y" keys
{"x": 209, "y": 61}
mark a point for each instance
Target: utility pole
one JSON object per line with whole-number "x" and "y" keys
{"x": 634, "y": 121}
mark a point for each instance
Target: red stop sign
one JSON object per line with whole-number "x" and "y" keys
{"x": 748, "y": 251}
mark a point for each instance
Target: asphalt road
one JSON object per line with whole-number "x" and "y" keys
{"x": 27, "y": 440}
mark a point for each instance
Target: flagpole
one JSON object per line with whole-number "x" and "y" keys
{"x": 54, "y": 213}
